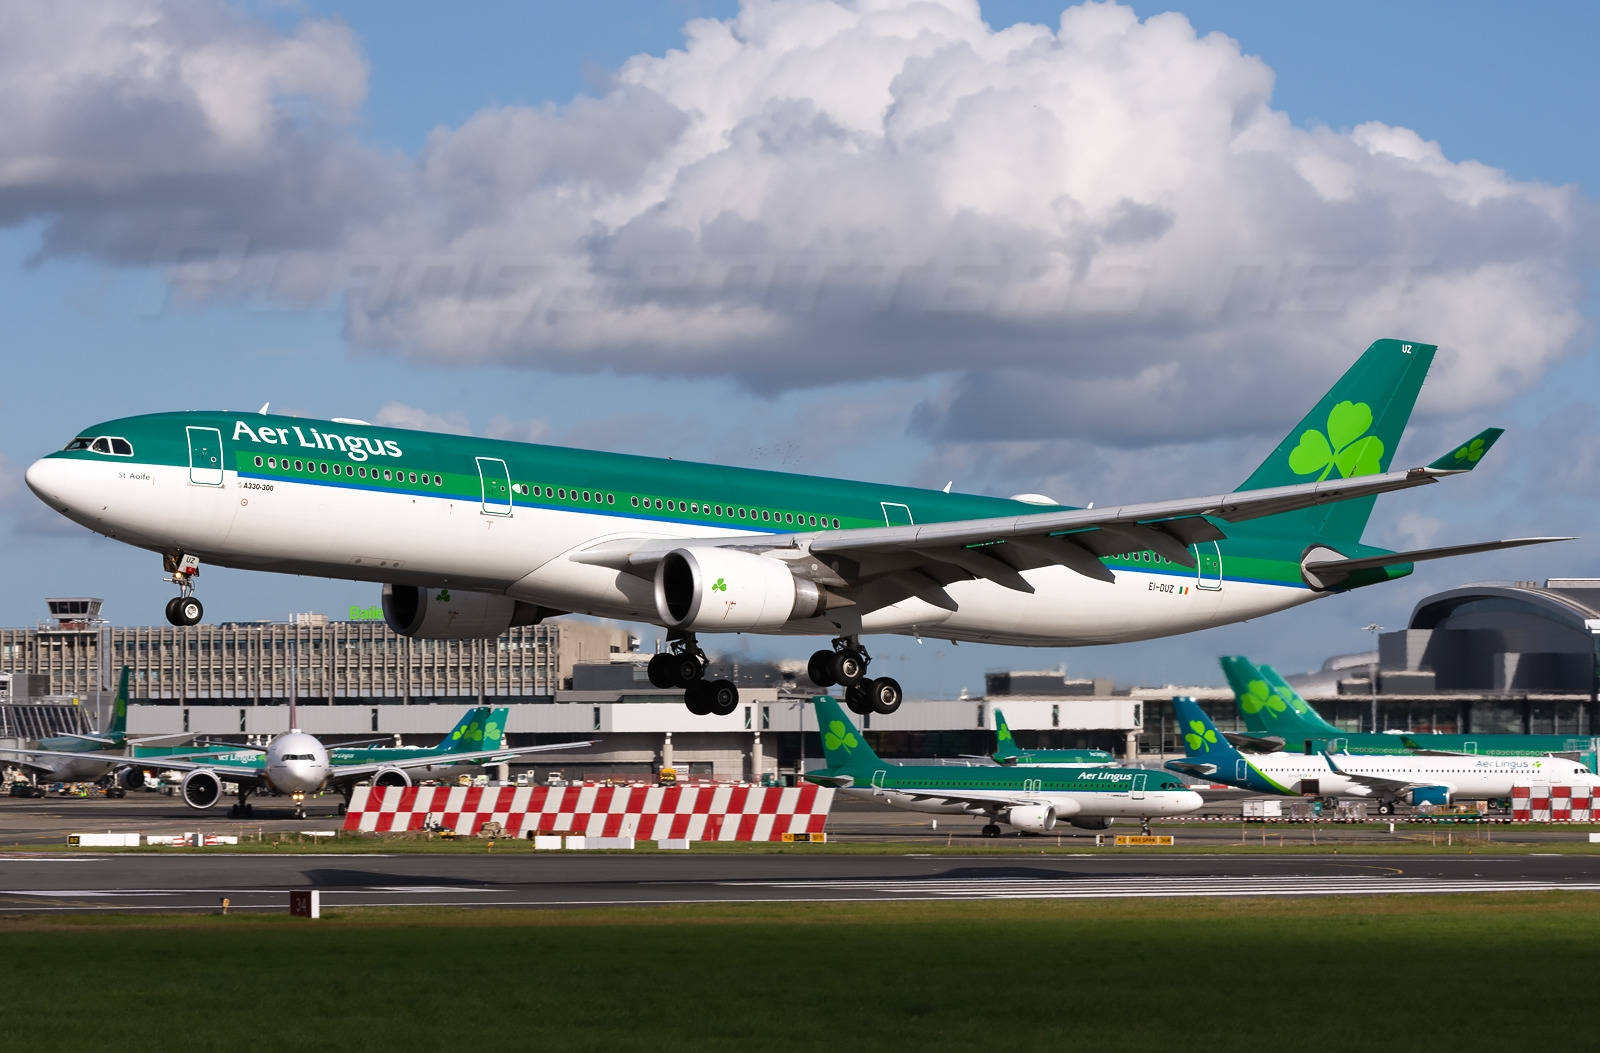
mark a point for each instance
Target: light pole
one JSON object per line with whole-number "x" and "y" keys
{"x": 1372, "y": 674}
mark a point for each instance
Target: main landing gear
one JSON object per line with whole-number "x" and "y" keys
{"x": 184, "y": 608}
{"x": 683, "y": 665}
{"x": 991, "y": 830}
{"x": 242, "y": 810}
{"x": 847, "y": 664}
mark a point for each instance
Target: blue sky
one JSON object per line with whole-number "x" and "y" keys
{"x": 97, "y": 328}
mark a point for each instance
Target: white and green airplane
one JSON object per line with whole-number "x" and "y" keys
{"x": 471, "y": 536}
{"x": 1420, "y": 778}
{"x": 1031, "y": 799}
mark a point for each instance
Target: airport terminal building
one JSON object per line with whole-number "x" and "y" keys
{"x": 1504, "y": 657}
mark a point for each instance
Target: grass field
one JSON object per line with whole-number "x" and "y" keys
{"x": 1455, "y": 973}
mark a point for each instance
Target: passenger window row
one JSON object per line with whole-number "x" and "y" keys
{"x": 764, "y": 515}
{"x": 359, "y": 471}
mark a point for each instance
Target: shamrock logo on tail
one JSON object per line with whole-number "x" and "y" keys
{"x": 1346, "y": 446}
{"x": 1257, "y": 696}
{"x": 1472, "y": 451}
{"x": 1004, "y": 734}
{"x": 491, "y": 731}
{"x": 1199, "y": 736}
{"x": 839, "y": 735}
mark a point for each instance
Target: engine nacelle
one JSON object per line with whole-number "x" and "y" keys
{"x": 391, "y": 777}
{"x": 132, "y": 779}
{"x": 1032, "y": 818}
{"x": 1430, "y": 795}
{"x": 454, "y": 614}
{"x": 201, "y": 788}
{"x": 1091, "y": 822}
{"x": 725, "y": 590}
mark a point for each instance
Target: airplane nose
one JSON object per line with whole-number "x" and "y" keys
{"x": 44, "y": 478}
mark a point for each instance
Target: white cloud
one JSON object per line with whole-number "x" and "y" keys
{"x": 1053, "y": 223}
{"x": 400, "y": 415}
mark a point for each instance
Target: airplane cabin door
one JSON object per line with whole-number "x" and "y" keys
{"x": 496, "y": 479}
{"x": 1208, "y": 566}
{"x": 896, "y": 514}
{"x": 205, "y": 456}
{"x": 1136, "y": 792}
{"x": 878, "y": 777}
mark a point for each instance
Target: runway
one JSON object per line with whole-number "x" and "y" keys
{"x": 59, "y": 882}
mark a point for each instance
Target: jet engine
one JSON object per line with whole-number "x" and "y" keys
{"x": 1091, "y": 822}
{"x": 1031, "y": 818}
{"x": 454, "y": 614}
{"x": 391, "y": 777}
{"x": 201, "y": 788}
{"x": 725, "y": 590}
{"x": 132, "y": 779}
{"x": 1430, "y": 795}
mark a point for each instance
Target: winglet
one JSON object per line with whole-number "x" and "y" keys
{"x": 1465, "y": 457}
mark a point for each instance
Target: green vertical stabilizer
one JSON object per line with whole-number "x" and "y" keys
{"x": 1352, "y": 431}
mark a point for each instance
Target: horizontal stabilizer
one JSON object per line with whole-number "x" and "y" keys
{"x": 1324, "y": 573}
{"x": 1192, "y": 767}
{"x": 1465, "y": 457}
{"x": 1254, "y": 743}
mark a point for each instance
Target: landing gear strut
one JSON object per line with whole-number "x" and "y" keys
{"x": 847, "y": 665}
{"x": 683, "y": 665}
{"x": 184, "y": 608}
{"x": 242, "y": 810}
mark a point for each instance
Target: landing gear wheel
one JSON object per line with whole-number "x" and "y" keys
{"x": 1144, "y": 827}
{"x": 697, "y": 696}
{"x": 724, "y": 697}
{"x": 991, "y": 830}
{"x": 299, "y": 811}
{"x": 884, "y": 694}
{"x": 172, "y": 611}
{"x": 848, "y": 667}
{"x": 235, "y": 811}
{"x": 249, "y": 810}
{"x": 858, "y": 700}
{"x": 1385, "y": 808}
{"x": 188, "y": 610}
{"x": 688, "y": 668}
{"x": 660, "y": 670}
{"x": 820, "y": 669}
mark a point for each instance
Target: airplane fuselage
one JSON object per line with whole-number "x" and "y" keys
{"x": 384, "y": 505}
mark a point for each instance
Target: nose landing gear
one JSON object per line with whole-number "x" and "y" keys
{"x": 184, "y": 608}
{"x": 683, "y": 665}
{"x": 847, "y": 665}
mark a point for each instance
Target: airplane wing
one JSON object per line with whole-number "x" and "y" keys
{"x": 884, "y": 565}
{"x": 1383, "y": 784}
{"x": 350, "y": 772}
{"x": 230, "y": 772}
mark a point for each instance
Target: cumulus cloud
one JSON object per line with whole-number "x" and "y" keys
{"x": 146, "y": 130}
{"x": 1054, "y": 223}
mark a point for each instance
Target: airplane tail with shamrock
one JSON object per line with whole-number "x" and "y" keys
{"x": 1269, "y": 706}
{"x": 468, "y": 735}
{"x": 843, "y": 745}
{"x": 1209, "y": 755}
{"x": 1353, "y": 431}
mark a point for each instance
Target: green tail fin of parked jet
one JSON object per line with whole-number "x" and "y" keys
{"x": 117, "y": 731}
{"x": 1005, "y": 747}
{"x": 1270, "y": 706}
{"x": 1352, "y": 432}
{"x": 472, "y": 732}
{"x": 844, "y": 747}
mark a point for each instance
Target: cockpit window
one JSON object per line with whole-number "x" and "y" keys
{"x": 111, "y": 444}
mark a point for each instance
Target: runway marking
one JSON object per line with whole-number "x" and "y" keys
{"x": 1158, "y": 887}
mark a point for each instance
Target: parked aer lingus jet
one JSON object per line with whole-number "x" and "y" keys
{"x": 470, "y": 536}
{"x": 296, "y": 765}
{"x": 1090, "y": 796}
{"x": 1420, "y": 778}
{"x": 1273, "y": 709}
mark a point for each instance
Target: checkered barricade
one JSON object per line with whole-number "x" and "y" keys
{"x": 1554, "y": 804}
{"x": 698, "y": 813}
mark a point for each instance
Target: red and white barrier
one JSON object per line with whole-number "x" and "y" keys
{"x": 698, "y": 813}
{"x": 1555, "y": 804}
